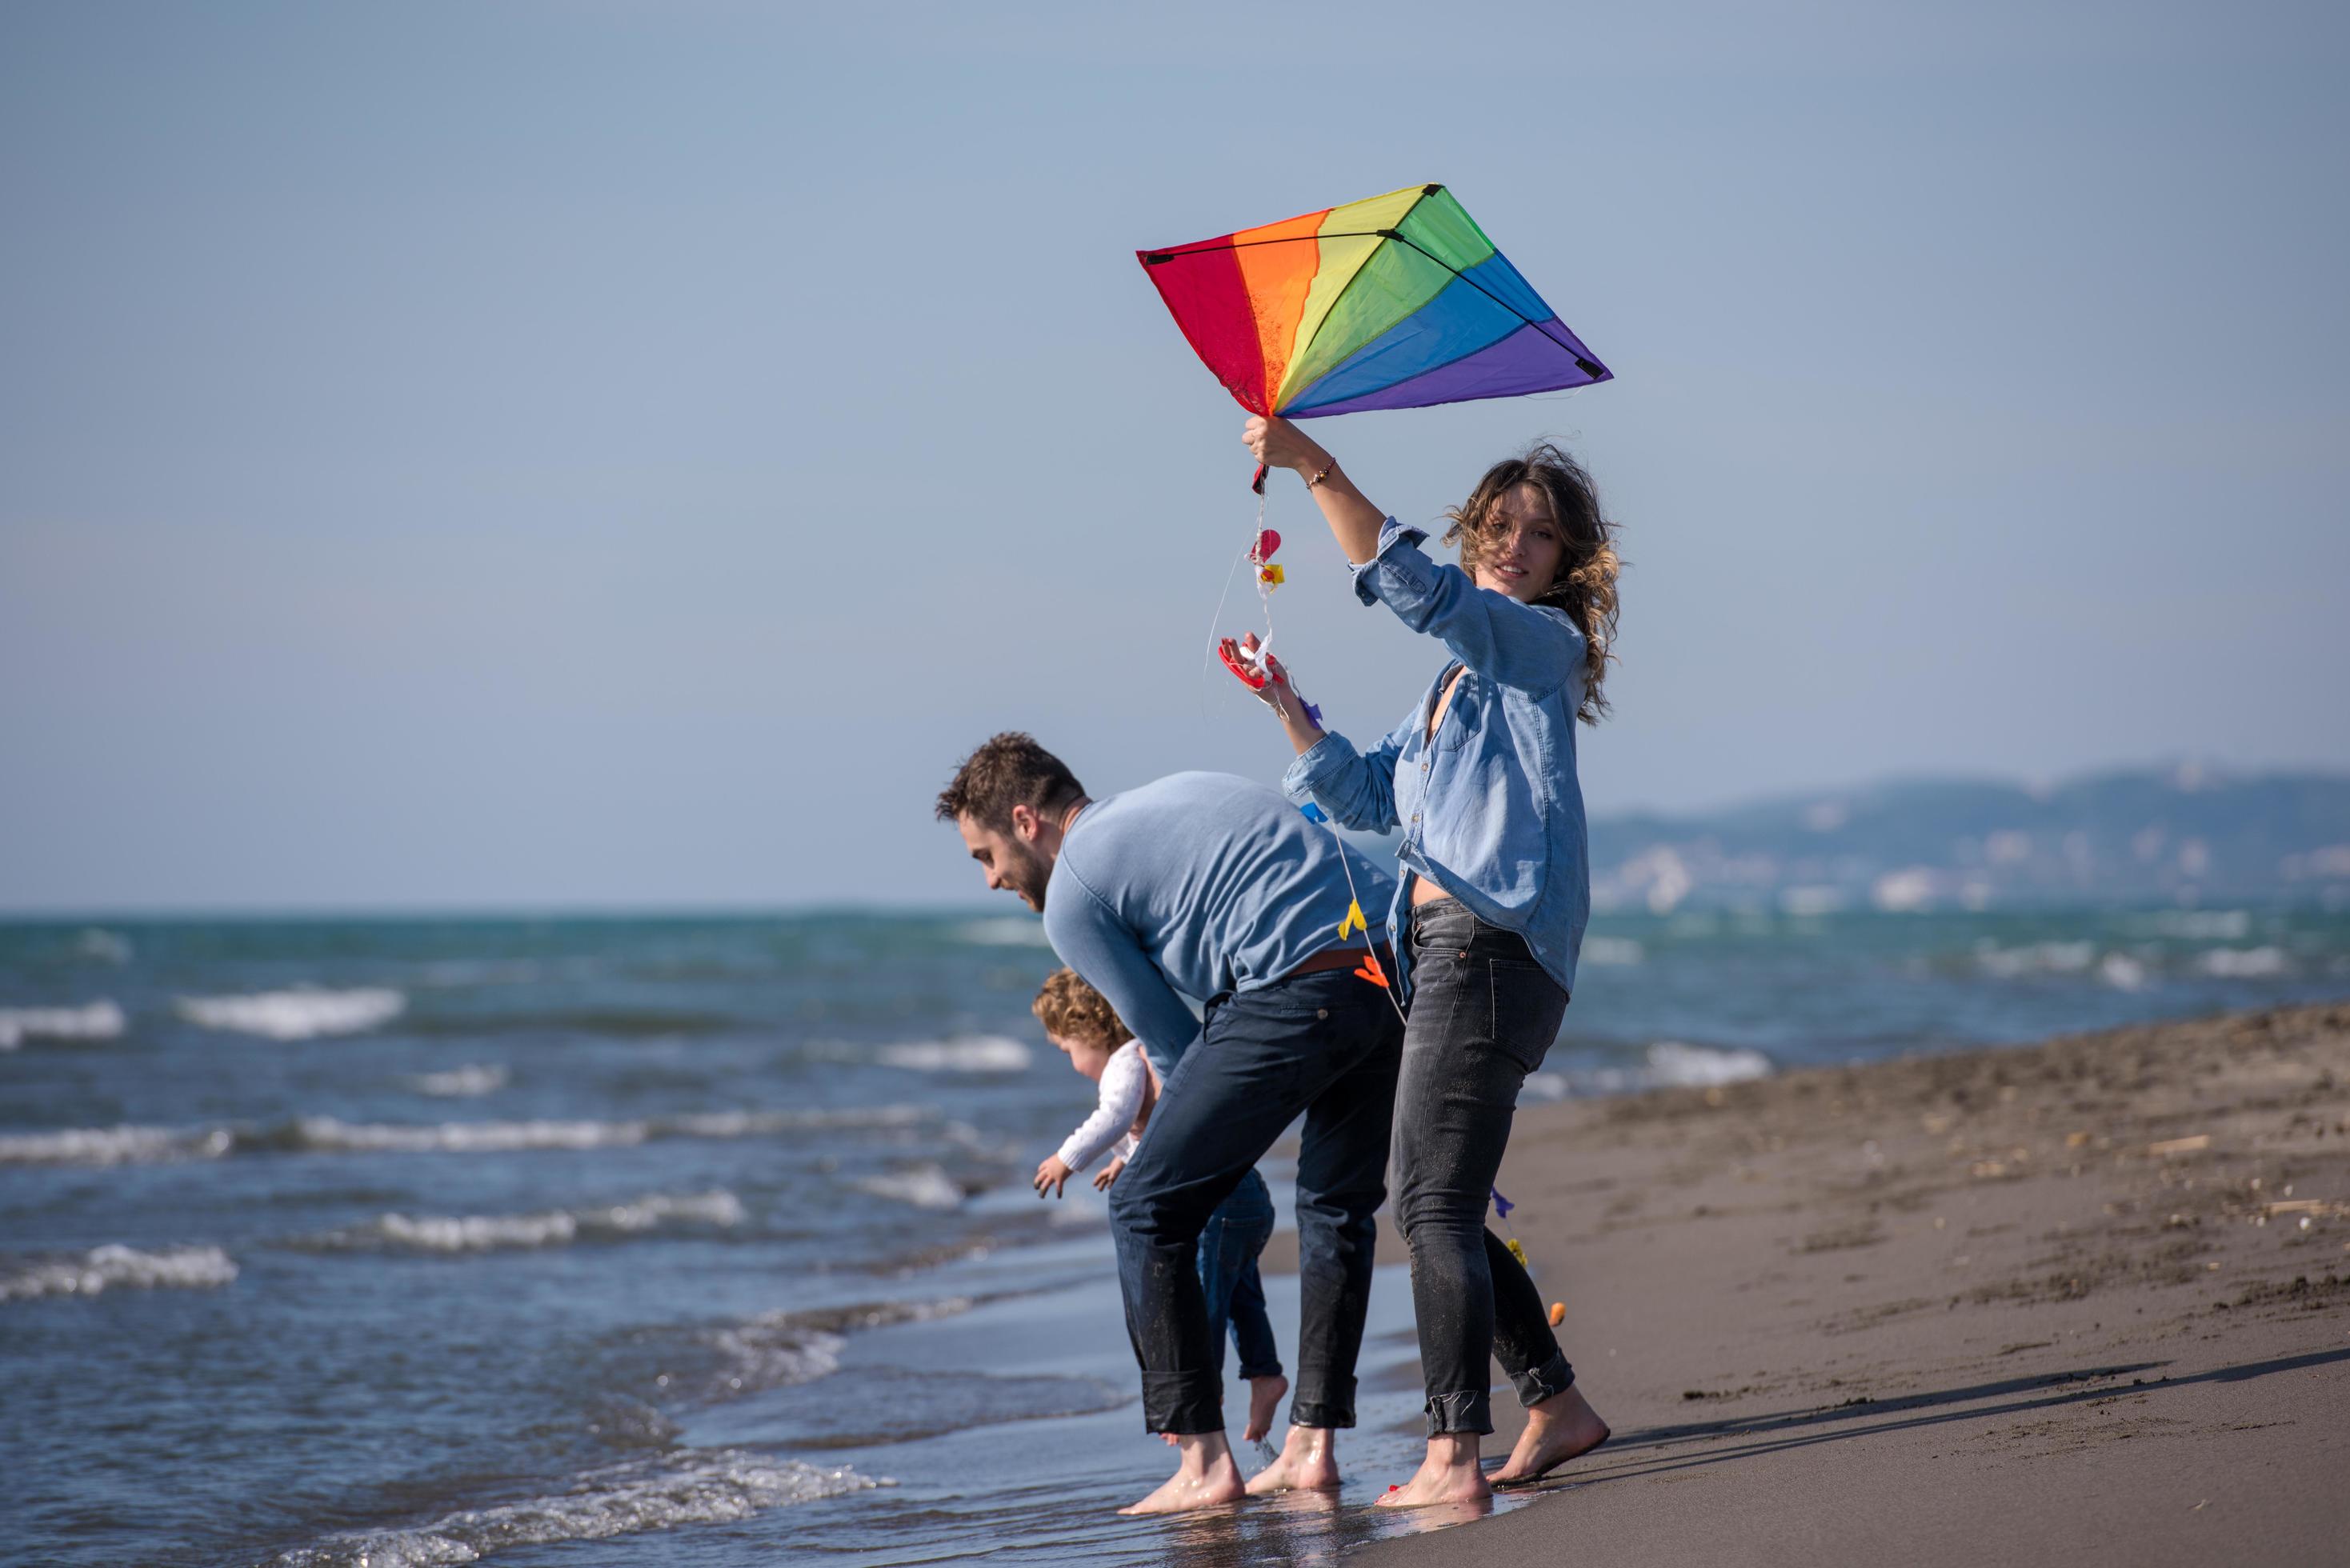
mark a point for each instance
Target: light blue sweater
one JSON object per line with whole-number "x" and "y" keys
{"x": 1193, "y": 886}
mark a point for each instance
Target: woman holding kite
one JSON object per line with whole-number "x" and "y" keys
{"x": 1491, "y": 911}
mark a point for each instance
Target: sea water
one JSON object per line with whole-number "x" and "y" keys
{"x": 709, "y": 1242}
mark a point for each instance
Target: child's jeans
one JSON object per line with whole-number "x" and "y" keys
{"x": 1235, "y": 1233}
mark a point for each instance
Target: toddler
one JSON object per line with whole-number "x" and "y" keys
{"x": 1081, "y": 1023}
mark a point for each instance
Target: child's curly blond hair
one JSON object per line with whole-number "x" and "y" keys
{"x": 1069, "y": 1007}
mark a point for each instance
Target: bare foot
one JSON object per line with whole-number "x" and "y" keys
{"x": 1449, "y": 1474}
{"x": 1264, "y": 1398}
{"x": 1205, "y": 1478}
{"x": 1308, "y": 1462}
{"x": 1562, "y": 1427}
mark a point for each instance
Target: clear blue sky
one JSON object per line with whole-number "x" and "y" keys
{"x": 536, "y": 454}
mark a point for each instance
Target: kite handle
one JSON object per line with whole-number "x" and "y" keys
{"x": 1257, "y": 483}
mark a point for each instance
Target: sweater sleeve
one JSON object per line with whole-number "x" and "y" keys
{"x": 1121, "y": 1100}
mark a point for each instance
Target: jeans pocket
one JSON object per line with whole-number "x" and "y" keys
{"x": 1528, "y": 1008}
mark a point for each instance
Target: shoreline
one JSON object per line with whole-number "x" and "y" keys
{"x": 2084, "y": 1298}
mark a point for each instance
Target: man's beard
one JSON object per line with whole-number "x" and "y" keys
{"x": 1027, "y": 874}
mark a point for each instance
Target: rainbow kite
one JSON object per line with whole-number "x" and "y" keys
{"x": 1394, "y": 303}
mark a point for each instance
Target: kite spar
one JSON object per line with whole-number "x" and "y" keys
{"x": 1397, "y": 301}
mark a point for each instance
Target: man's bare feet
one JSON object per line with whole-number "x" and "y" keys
{"x": 1449, "y": 1474}
{"x": 1562, "y": 1427}
{"x": 1309, "y": 1461}
{"x": 1264, "y": 1398}
{"x": 1204, "y": 1478}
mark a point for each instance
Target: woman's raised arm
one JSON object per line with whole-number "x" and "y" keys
{"x": 1278, "y": 444}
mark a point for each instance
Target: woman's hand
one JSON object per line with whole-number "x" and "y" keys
{"x": 1276, "y": 692}
{"x": 1277, "y": 443}
{"x": 1108, "y": 1174}
{"x": 1052, "y": 1176}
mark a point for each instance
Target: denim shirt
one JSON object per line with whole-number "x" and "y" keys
{"x": 1490, "y": 810}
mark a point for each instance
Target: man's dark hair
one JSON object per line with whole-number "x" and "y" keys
{"x": 1009, "y": 768}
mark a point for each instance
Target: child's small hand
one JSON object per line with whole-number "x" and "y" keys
{"x": 1052, "y": 1174}
{"x": 1108, "y": 1174}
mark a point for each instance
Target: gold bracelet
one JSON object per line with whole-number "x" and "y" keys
{"x": 1326, "y": 471}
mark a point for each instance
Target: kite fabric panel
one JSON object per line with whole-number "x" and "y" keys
{"x": 1393, "y": 303}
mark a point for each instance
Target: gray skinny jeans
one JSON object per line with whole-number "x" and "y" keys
{"x": 1484, "y": 1015}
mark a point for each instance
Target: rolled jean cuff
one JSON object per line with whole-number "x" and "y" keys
{"x": 1553, "y": 1377}
{"x": 1183, "y": 1403}
{"x": 1270, "y": 1369}
{"x": 1320, "y": 1413}
{"x": 1469, "y": 1411}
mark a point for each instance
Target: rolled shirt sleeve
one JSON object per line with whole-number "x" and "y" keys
{"x": 1534, "y": 647}
{"x": 1354, "y": 789}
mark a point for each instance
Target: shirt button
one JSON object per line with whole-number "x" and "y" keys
{"x": 1321, "y": 1013}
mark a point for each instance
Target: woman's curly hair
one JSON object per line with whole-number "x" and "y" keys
{"x": 1586, "y": 586}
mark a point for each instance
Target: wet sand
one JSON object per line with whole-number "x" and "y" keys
{"x": 2085, "y": 1302}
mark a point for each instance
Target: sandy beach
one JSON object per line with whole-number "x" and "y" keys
{"x": 2084, "y": 1301}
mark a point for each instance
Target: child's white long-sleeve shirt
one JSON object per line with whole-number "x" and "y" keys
{"x": 1122, "y": 1085}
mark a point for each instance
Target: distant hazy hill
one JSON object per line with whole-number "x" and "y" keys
{"x": 2181, "y": 834}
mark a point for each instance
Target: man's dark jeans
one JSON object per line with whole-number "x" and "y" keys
{"x": 1484, "y": 1015}
{"x": 1327, "y": 1044}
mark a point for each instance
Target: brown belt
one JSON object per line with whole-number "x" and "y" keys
{"x": 1339, "y": 958}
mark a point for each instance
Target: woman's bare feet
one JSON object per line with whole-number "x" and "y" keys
{"x": 1264, "y": 1398}
{"x": 1309, "y": 1461}
{"x": 1562, "y": 1427}
{"x": 1204, "y": 1478}
{"x": 1449, "y": 1474}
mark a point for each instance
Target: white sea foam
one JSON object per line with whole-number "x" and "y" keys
{"x": 924, "y": 1186}
{"x": 2244, "y": 963}
{"x": 103, "y": 1269}
{"x": 462, "y": 1083}
{"x": 100, "y": 1020}
{"x": 1621, "y": 951}
{"x": 2036, "y": 958}
{"x": 2122, "y": 972}
{"x": 303, "y": 1013}
{"x": 772, "y": 1352}
{"x": 329, "y": 1134}
{"x": 1003, "y": 932}
{"x": 115, "y": 1146}
{"x": 1666, "y": 1064}
{"x": 708, "y": 1486}
{"x": 1670, "y": 1062}
{"x": 980, "y": 1053}
{"x": 2202, "y": 925}
{"x": 557, "y": 1228}
{"x": 105, "y": 947}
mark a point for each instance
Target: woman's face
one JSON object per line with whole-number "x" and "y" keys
{"x": 1522, "y": 547}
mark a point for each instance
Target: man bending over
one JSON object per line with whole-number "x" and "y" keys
{"x": 1211, "y": 887}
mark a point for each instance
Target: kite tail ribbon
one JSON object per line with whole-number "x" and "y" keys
{"x": 1257, "y": 483}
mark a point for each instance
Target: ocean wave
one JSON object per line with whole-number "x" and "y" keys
{"x": 100, "y": 1020}
{"x": 115, "y": 1146}
{"x": 2243, "y": 963}
{"x": 980, "y": 1053}
{"x": 924, "y": 1186}
{"x": 1612, "y": 951}
{"x": 103, "y": 946}
{"x": 713, "y": 1486}
{"x": 329, "y": 1134}
{"x": 301, "y": 1013}
{"x": 107, "y": 1268}
{"x": 462, "y": 1083}
{"x": 1003, "y": 932}
{"x": 1672, "y": 1063}
{"x": 1667, "y": 1064}
{"x": 556, "y": 1227}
